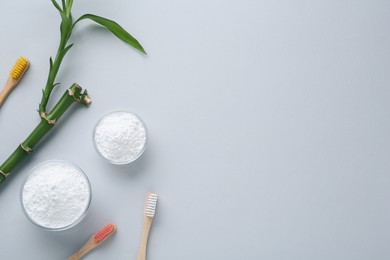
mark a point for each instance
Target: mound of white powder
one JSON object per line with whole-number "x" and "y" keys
{"x": 56, "y": 194}
{"x": 120, "y": 137}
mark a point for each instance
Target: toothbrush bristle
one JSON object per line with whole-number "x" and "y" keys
{"x": 19, "y": 67}
{"x": 104, "y": 233}
{"x": 151, "y": 203}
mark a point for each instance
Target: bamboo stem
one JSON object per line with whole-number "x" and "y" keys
{"x": 55, "y": 66}
{"x": 72, "y": 95}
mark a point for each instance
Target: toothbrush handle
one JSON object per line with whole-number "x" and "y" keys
{"x": 9, "y": 86}
{"x": 144, "y": 241}
{"x": 83, "y": 250}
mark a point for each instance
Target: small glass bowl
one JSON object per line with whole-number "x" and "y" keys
{"x": 133, "y": 158}
{"x": 85, "y": 211}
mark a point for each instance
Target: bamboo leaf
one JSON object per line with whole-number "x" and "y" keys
{"x": 115, "y": 28}
{"x": 56, "y": 5}
{"x": 66, "y": 23}
{"x": 69, "y": 5}
{"x": 62, "y": 53}
{"x": 65, "y": 28}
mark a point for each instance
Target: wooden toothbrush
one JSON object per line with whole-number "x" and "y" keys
{"x": 150, "y": 210}
{"x": 16, "y": 74}
{"x": 94, "y": 241}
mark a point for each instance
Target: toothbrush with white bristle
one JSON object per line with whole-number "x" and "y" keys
{"x": 150, "y": 210}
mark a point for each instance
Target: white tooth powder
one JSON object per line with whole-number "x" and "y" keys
{"x": 56, "y": 195}
{"x": 120, "y": 137}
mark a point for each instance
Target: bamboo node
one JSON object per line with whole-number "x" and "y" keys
{"x": 49, "y": 121}
{"x": 87, "y": 100}
{"x": 4, "y": 174}
{"x": 71, "y": 93}
{"x": 26, "y": 149}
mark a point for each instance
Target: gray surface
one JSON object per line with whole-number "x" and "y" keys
{"x": 268, "y": 121}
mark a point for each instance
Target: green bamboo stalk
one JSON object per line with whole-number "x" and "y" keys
{"x": 66, "y": 31}
{"x": 72, "y": 95}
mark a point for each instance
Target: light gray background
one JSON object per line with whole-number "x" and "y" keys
{"x": 268, "y": 121}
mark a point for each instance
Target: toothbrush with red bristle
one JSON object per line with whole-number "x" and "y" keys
{"x": 150, "y": 210}
{"x": 97, "y": 239}
{"x": 15, "y": 75}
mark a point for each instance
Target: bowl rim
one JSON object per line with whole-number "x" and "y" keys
{"x": 143, "y": 148}
{"x": 80, "y": 218}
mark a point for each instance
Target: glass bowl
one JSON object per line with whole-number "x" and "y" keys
{"x": 115, "y": 137}
{"x": 41, "y": 195}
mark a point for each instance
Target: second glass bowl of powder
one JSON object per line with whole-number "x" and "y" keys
{"x": 56, "y": 195}
{"x": 120, "y": 137}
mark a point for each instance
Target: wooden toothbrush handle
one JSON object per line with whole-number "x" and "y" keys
{"x": 85, "y": 249}
{"x": 144, "y": 241}
{"x": 9, "y": 86}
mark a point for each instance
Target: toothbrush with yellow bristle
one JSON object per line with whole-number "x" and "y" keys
{"x": 16, "y": 74}
{"x": 97, "y": 239}
{"x": 150, "y": 210}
